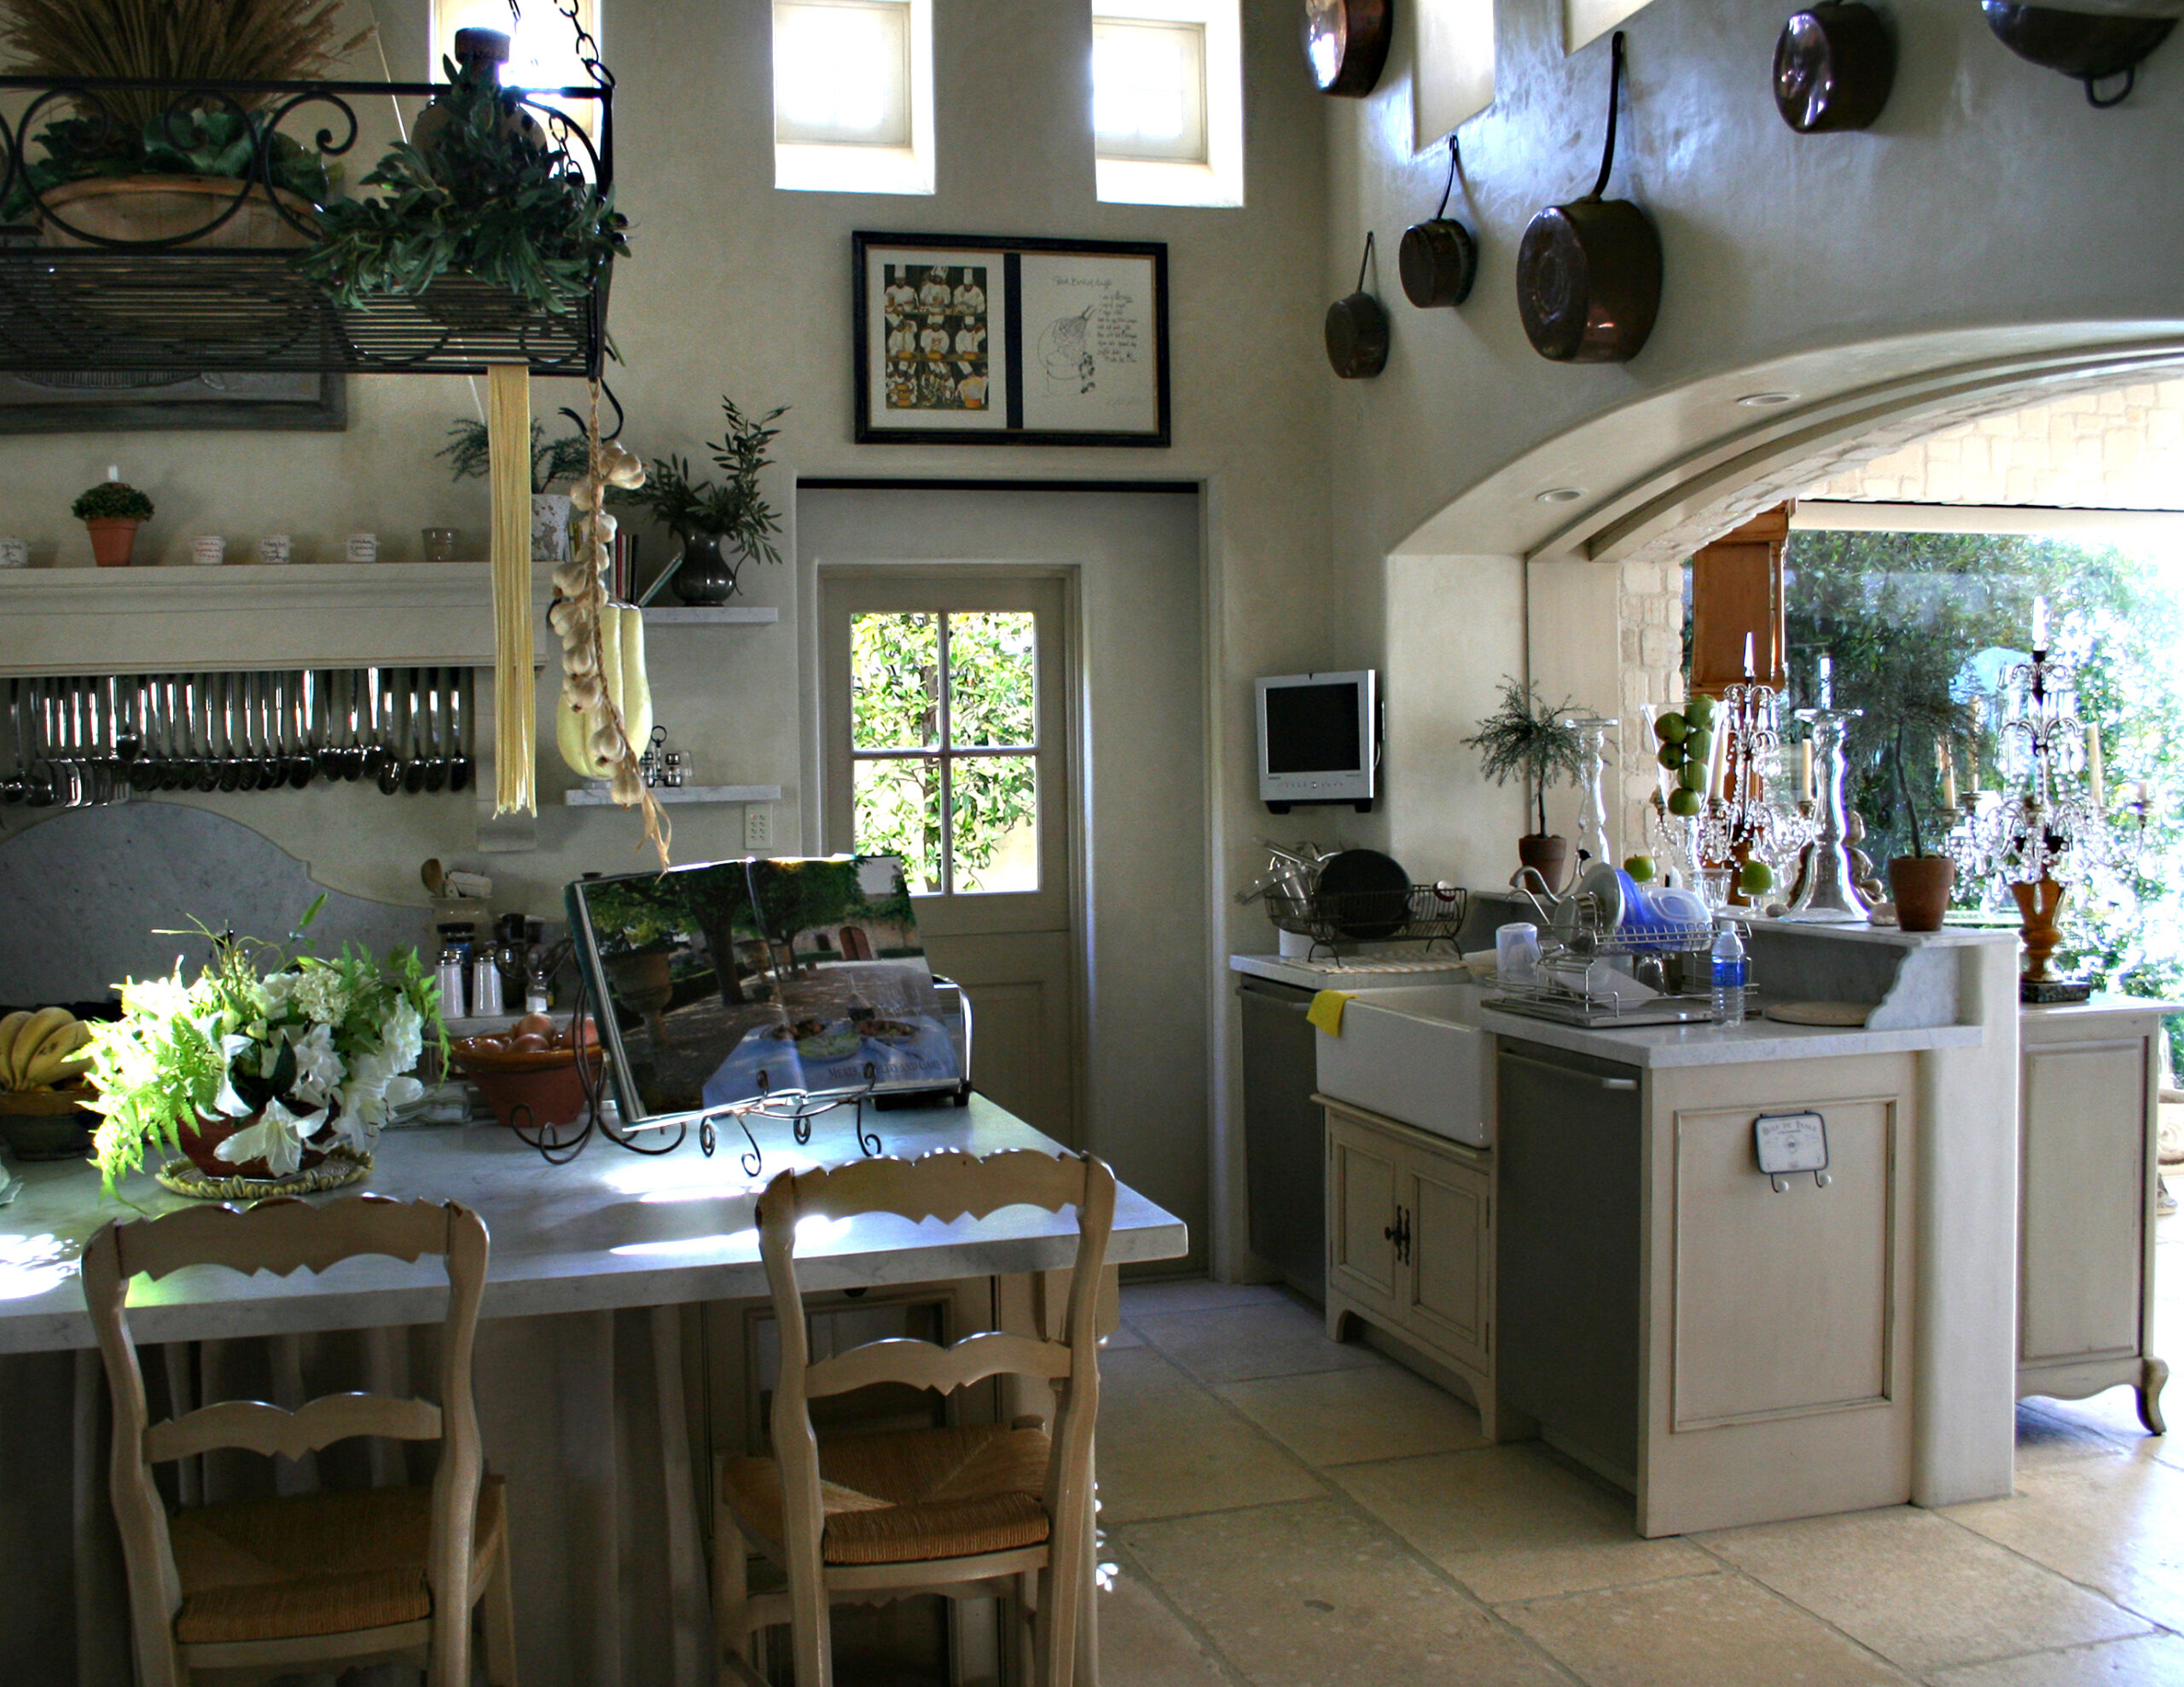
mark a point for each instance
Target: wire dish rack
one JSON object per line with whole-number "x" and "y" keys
{"x": 1423, "y": 913}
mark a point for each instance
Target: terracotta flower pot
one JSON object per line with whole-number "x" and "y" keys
{"x": 1920, "y": 885}
{"x": 1549, "y": 853}
{"x": 201, "y": 1143}
{"x": 113, "y": 539}
{"x": 178, "y": 209}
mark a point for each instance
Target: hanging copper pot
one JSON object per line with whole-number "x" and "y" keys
{"x": 1358, "y": 328}
{"x": 2090, "y": 47}
{"x": 1588, "y": 274}
{"x": 1438, "y": 260}
{"x": 1833, "y": 67}
{"x": 1346, "y": 43}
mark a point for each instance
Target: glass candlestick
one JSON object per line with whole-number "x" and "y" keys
{"x": 1592, "y": 767}
{"x": 1830, "y": 894}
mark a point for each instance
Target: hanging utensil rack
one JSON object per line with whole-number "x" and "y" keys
{"x": 87, "y": 741}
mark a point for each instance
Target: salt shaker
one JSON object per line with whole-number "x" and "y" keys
{"x": 449, "y": 974}
{"x": 485, "y": 999}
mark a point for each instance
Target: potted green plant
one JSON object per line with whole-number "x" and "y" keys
{"x": 111, "y": 513}
{"x": 553, "y": 462}
{"x": 706, "y": 514}
{"x": 1920, "y": 882}
{"x": 265, "y": 1064}
{"x": 1525, "y": 739}
{"x": 479, "y": 191}
{"x": 147, "y": 165}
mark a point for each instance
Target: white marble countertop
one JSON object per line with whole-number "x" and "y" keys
{"x": 1655, "y": 1046}
{"x": 610, "y": 1229}
{"x": 2100, "y": 1007}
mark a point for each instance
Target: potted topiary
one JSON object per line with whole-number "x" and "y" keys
{"x": 553, "y": 462}
{"x": 148, "y": 164}
{"x": 1525, "y": 738}
{"x": 111, "y": 512}
{"x": 704, "y": 514}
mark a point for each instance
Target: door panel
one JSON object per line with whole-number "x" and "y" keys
{"x": 934, "y": 662}
{"x": 2083, "y": 1201}
{"x": 1362, "y": 1185}
{"x": 1450, "y": 1275}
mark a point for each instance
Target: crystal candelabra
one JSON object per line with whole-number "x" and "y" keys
{"x": 1743, "y": 817}
{"x": 2046, "y": 829}
{"x": 1592, "y": 767}
{"x": 1829, "y": 892}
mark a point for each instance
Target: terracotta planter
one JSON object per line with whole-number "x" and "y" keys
{"x": 202, "y": 1140}
{"x": 113, "y": 539}
{"x": 552, "y": 1095}
{"x": 175, "y": 210}
{"x": 1548, "y": 855}
{"x": 1920, "y": 885}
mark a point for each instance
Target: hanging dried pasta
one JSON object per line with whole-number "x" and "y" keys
{"x": 508, "y": 431}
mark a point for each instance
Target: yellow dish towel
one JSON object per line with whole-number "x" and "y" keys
{"x": 1326, "y": 1010}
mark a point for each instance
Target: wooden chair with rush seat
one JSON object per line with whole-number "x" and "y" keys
{"x": 272, "y": 1587}
{"x": 1001, "y": 1510}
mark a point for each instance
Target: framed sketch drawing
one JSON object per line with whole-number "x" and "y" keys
{"x": 100, "y": 402}
{"x": 975, "y": 339}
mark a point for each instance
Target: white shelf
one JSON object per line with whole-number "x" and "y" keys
{"x": 670, "y": 615}
{"x": 597, "y": 796}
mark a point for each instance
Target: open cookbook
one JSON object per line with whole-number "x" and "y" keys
{"x": 729, "y": 983}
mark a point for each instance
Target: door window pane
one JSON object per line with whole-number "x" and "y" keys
{"x": 992, "y": 678}
{"x": 894, "y": 682}
{"x": 995, "y": 841}
{"x": 899, "y": 813}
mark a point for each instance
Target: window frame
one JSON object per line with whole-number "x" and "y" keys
{"x": 862, "y": 166}
{"x": 1217, "y": 182}
{"x": 444, "y": 18}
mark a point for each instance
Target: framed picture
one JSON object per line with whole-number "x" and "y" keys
{"x": 104, "y": 402}
{"x": 971, "y": 340}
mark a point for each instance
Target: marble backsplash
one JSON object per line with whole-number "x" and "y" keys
{"x": 85, "y": 894}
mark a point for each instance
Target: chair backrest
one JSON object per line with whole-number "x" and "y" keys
{"x": 281, "y": 1237}
{"x": 947, "y": 1186}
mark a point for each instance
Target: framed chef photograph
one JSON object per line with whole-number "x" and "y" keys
{"x": 984, "y": 340}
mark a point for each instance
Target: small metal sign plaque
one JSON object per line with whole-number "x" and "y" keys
{"x": 1790, "y": 1143}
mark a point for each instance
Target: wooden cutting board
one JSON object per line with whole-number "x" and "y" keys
{"x": 1843, "y": 1015}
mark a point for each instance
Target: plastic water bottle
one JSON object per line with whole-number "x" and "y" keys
{"x": 1728, "y": 977}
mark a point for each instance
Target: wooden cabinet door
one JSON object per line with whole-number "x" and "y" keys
{"x": 2082, "y": 1199}
{"x": 1361, "y": 1178}
{"x": 1449, "y": 1281}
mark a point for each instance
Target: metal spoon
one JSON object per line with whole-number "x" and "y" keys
{"x": 301, "y": 763}
{"x": 389, "y": 742}
{"x": 414, "y": 775}
{"x": 459, "y": 731}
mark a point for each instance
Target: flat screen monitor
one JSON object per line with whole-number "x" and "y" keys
{"x": 727, "y": 982}
{"x": 1319, "y": 739}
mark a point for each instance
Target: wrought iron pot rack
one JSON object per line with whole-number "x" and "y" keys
{"x": 111, "y": 305}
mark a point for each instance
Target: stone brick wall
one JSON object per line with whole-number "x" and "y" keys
{"x": 2121, "y": 449}
{"x": 1649, "y": 613}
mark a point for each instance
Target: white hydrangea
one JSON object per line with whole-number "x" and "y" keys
{"x": 320, "y": 994}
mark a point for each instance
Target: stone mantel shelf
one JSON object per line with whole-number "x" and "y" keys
{"x": 252, "y": 616}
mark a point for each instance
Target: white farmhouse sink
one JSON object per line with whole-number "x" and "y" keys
{"x": 1417, "y": 1056}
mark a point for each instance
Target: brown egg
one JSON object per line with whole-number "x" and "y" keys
{"x": 533, "y": 1024}
{"x": 529, "y": 1042}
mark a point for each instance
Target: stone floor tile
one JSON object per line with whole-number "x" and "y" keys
{"x": 2115, "y": 1524}
{"x": 1143, "y": 1643}
{"x": 1717, "y": 1630}
{"x": 1124, "y": 1337}
{"x": 1194, "y": 1294}
{"x": 1313, "y": 1596}
{"x": 2149, "y": 1661}
{"x": 1279, "y": 1337}
{"x": 2047, "y": 1435}
{"x": 1347, "y": 1417}
{"x": 1166, "y": 1447}
{"x": 1920, "y": 1590}
{"x": 1515, "y": 1522}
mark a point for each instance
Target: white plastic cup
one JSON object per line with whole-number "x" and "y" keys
{"x": 208, "y": 550}
{"x": 363, "y": 548}
{"x": 1516, "y": 953}
{"x": 14, "y": 553}
{"x": 276, "y": 548}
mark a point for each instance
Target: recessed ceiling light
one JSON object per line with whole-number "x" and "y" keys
{"x": 1562, "y": 495}
{"x": 1767, "y": 401}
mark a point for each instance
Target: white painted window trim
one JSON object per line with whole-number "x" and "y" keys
{"x": 1584, "y": 21}
{"x": 1219, "y": 182}
{"x": 846, "y": 168}
{"x": 1453, "y": 64}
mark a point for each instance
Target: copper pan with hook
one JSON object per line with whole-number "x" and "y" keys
{"x": 1589, "y": 273}
{"x": 1438, "y": 259}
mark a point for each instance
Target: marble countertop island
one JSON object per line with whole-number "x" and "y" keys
{"x": 609, "y": 1229}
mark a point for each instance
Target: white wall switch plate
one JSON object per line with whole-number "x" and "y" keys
{"x": 758, "y": 827}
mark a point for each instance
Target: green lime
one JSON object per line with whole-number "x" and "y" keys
{"x": 1700, "y": 745}
{"x": 1756, "y": 878}
{"x": 1640, "y": 867}
{"x": 1670, "y": 756}
{"x": 1699, "y": 710}
{"x": 1682, "y": 804}
{"x": 1694, "y": 776}
{"x": 1669, "y": 728}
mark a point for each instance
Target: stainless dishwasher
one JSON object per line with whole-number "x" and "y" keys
{"x": 1571, "y": 1131}
{"x": 1285, "y": 1151}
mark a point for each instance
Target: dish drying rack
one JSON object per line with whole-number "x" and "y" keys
{"x": 1578, "y": 940}
{"x": 1422, "y": 915}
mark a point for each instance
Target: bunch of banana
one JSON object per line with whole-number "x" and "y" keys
{"x": 38, "y": 1051}
{"x": 605, "y": 713}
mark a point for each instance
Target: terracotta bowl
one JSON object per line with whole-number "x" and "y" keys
{"x": 532, "y": 1090}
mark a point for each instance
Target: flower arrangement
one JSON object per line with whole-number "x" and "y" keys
{"x": 305, "y": 1054}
